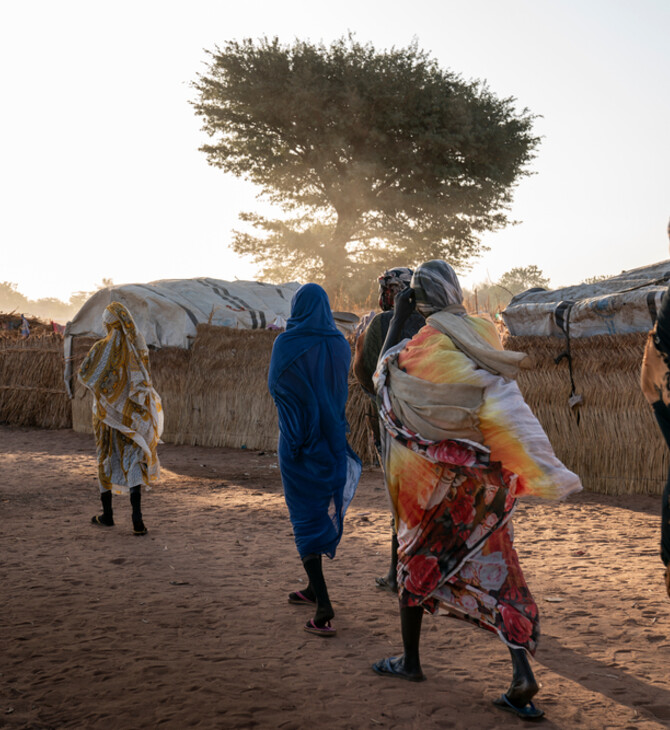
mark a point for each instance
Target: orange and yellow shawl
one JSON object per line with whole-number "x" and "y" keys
{"x": 460, "y": 445}
{"x": 510, "y": 431}
{"x": 127, "y": 410}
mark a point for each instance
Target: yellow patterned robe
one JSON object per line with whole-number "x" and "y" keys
{"x": 127, "y": 410}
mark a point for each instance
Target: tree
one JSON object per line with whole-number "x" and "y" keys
{"x": 521, "y": 278}
{"x": 10, "y": 298}
{"x": 374, "y": 158}
{"x": 47, "y": 307}
{"x": 486, "y": 297}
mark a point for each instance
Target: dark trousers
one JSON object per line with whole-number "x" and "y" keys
{"x": 662, "y": 413}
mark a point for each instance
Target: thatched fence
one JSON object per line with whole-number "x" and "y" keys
{"x": 215, "y": 394}
{"x": 611, "y": 440}
{"x": 32, "y": 392}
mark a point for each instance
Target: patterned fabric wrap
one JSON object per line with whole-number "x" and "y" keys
{"x": 436, "y": 286}
{"x": 453, "y": 500}
{"x": 127, "y": 411}
{"x": 390, "y": 283}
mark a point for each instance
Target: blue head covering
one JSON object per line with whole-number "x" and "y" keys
{"x": 311, "y": 320}
{"x": 308, "y": 382}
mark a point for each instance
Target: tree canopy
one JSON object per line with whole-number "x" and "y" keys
{"x": 521, "y": 278}
{"x": 12, "y": 300}
{"x": 375, "y": 158}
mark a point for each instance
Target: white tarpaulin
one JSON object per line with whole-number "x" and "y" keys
{"x": 167, "y": 311}
{"x": 619, "y": 305}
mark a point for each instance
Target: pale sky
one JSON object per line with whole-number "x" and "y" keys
{"x": 100, "y": 173}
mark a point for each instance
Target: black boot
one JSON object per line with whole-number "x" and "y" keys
{"x": 106, "y": 519}
{"x": 136, "y": 503}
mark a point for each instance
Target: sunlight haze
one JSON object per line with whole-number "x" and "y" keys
{"x": 101, "y": 176}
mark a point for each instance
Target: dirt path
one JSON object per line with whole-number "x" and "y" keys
{"x": 189, "y": 626}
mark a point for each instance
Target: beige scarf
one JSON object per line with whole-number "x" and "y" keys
{"x": 435, "y": 411}
{"x": 470, "y": 343}
{"x": 440, "y": 411}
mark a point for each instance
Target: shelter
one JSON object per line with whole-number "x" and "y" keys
{"x": 167, "y": 312}
{"x": 210, "y": 343}
{"x": 618, "y": 305}
{"x": 585, "y": 344}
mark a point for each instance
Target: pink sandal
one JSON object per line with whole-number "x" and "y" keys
{"x": 326, "y": 630}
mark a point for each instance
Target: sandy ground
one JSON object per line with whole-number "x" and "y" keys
{"x": 190, "y": 627}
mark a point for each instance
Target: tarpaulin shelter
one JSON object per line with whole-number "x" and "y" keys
{"x": 618, "y": 305}
{"x": 585, "y": 344}
{"x": 167, "y": 312}
{"x": 210, "y": 343}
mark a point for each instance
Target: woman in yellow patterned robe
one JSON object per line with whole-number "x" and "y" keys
{"x": 461, "y": 446}
{"x": 127, "y": 414}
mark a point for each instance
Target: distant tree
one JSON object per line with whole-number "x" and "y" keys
{"x": 373, "y": 157}
{"x": 46, "y": 307}
{"x": 486, "y": 297}
{"x": 10, "y": 298}
{"x": 521, "y": 278}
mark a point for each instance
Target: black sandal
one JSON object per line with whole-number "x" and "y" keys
{"x": 102, "y": 520}
{"x": 139, "y": 528}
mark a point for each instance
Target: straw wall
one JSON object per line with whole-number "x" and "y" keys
{"x": 611, "y": 440}
{"x": 216, "y": 393}
{"x": 32, "y": 392}
{"x": 360, "y": 415}
{"x": 82, "y": 402}
{"x": 225, "y": 399}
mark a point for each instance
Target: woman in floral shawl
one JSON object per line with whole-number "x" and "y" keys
{"x": 127, "y": 414}
{"x": 461, "y": 447}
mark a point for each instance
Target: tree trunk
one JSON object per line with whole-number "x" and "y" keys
{"x": 336, "y": 263}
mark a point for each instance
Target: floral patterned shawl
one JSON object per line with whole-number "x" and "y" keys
{"x": 453, "y": 499}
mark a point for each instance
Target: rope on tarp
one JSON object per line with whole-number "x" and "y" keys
{"x": 562, "y": 316}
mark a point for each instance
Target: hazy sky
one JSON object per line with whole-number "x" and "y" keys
{"x": 100, "y": 173}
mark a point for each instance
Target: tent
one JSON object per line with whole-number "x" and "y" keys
{"x": 618, "y": 305}
{"x": 168, "y": 311}
{"x": 585, "y": 344}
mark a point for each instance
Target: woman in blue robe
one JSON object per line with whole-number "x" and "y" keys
{"x": 308, "y": 382}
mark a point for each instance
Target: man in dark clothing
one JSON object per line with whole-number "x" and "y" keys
{"x": 368, "y": 348}
{"x": 655, "y": 382}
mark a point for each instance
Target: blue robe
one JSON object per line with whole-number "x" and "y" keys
{"x": 308, "y": 382}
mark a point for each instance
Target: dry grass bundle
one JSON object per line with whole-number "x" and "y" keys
{"x": 225, "y": 399}
{"x": 360, "y": 414}
{"x": 32, "y": 392}
{"x": 611, "y": 440}
{"x": 10, "y": 325}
